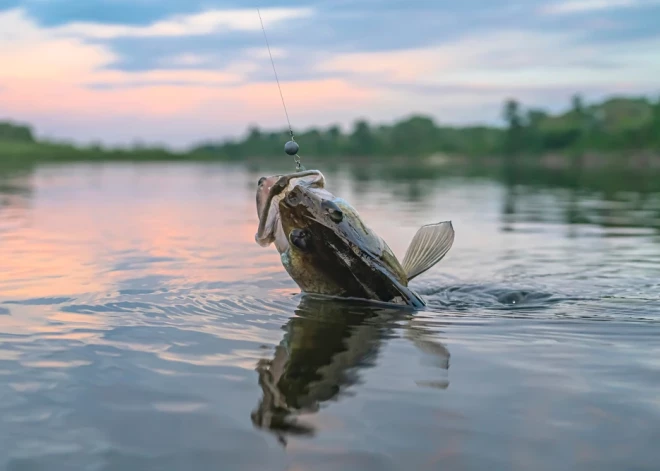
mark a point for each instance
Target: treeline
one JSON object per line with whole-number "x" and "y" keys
{"x": 617, "y": 124}
{"x": 19, "y": 145}
{"x": 11, "y": 132}
{"x": 416, "y": 136}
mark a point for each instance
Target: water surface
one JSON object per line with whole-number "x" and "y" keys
{"x": 142, "y": 328}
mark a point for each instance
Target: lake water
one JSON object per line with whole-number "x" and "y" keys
{"x": 142, "y": 328}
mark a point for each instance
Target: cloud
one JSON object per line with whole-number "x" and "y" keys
{"x": 36, "y": 55}
{"x": 198, "y": 24}
{"x": 65, "y": 86}
{"x": 333, "y": 26}
{"x": 246, "y": 60}
{"x": 178, "y": 74}
{"x": 179, "y": 115}
{"x": 519, "y": 58}
{"x": 457, "y": 79}
{"x": 128, "y": 12}
{"x": 587, "y": 6}
{"x": 185, "y": 60}
{"x": 47, "y": 56}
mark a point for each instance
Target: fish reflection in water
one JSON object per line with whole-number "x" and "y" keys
{"x": 323, "y": 350}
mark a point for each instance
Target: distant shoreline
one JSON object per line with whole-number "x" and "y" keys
{"x": 37, "y": 153}
{"x": 621, "y": 132}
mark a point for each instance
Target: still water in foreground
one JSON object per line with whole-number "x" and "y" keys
{"x": 142, "y": 328}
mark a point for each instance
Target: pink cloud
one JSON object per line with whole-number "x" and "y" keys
{"x": 159, "y": 112}
{"x": 53, "y": 72}
{"x": 50, "y": 84}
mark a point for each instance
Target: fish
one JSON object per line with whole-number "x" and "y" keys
{"x": 327, "y": 248}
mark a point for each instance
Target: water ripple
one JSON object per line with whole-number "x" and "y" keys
{"x": 153, "y": 333}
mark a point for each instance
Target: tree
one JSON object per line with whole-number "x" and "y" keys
{"x": 655, "y": 123}
{"x": 577, "y": 104}
{"x": 533, "y": 132}
{"x": 362, "y": 141}
{"x": 415, "y": 136}
{"x": 512, "y": 114}
{"x": 514, "y": 138}
{"x": 15, "y": 132}
{"x": 535, "y": 117}
{"x": 254, "y": 133}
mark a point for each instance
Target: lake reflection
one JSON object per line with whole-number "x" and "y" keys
{"x": 324, "y": 349}
{"x": 141, "y": 327}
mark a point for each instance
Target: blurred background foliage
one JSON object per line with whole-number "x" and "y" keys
{"x": 619, "y": 130}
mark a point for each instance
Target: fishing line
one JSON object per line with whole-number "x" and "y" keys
{"x": 291, "y": 147}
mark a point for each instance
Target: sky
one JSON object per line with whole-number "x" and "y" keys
{"x": 181, "y": 72}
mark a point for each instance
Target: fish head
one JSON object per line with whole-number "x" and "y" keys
{"x": 270, "y": 190}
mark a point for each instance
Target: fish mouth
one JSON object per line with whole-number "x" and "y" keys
{"x": 264, "y": 234}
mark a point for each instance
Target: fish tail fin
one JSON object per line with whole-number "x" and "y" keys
{"x": 429, "y": 245}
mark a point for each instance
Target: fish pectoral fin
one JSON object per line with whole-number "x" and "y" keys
{"x": 429, "y": 245}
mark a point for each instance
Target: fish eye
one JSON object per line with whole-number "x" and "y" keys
{"x": 261, "y": 180}
{"x": 300, "y": 239}
{"x": 336, "y": 214}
